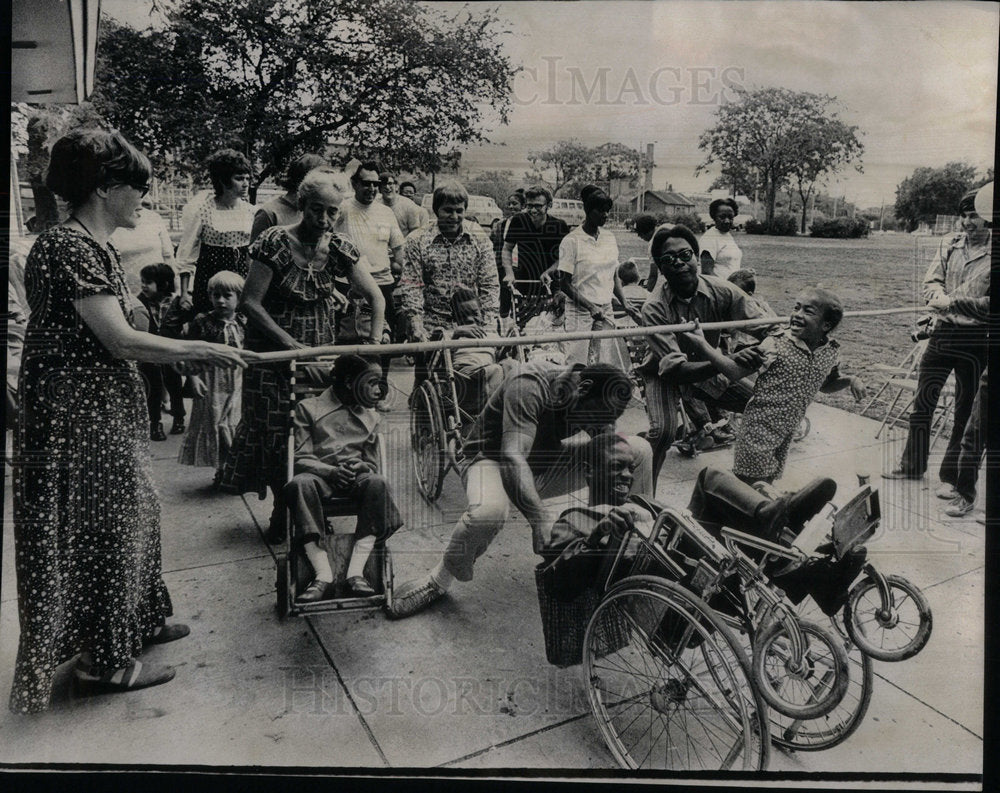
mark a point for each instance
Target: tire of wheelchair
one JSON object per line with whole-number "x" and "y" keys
{"x": 856, "y": 620}
{"x": 427, "y": 444}
{"x": 697, "y": 664}
{"x": 767, "y": 652}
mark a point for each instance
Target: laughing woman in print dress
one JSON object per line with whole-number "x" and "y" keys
{"x": 86, "y": 517}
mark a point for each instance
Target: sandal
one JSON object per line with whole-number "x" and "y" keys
{"x": 168, "y": 633}
{"x": 129, "y": 678}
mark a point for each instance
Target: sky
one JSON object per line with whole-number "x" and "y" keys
{"x": 918, "y": 79}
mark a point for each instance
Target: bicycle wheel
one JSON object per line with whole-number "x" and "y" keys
{"x": 840, "y": 723}
{"x": 811, "y": 688}
{"x": 895, "y": 634}
{"x": 668, "y": 684}
{"x": 427, "y": 441}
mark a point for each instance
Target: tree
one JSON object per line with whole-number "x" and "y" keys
{"x": 777, "y": 134}
{"x": 564, "y": 161}
{"x": 391, "y": 78}
{"x": 496, "y": 184}
{"x": 929, "y": 192}
{"x": 568, "y": 165}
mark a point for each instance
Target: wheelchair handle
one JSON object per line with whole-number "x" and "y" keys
{"x": 732, "y": 537}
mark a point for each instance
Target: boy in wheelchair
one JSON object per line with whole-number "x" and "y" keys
{"x": 479, "y": 374}
{"x": 719, "y": 499}
{"x": 336, "y": 457}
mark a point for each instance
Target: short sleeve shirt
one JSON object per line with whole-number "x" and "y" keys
{"x": 591, "y": 262}
{"x": 374, "y": 231}
{"x": 724, "y": 251}
{"x": 537, "y": 249}
{"x": 534, "y": 400}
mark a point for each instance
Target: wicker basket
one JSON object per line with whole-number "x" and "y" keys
{"x": 564, "y": 623}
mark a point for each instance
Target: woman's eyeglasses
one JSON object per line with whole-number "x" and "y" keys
{"x": 670, "y": 258}
{"x": 142, "y": 187}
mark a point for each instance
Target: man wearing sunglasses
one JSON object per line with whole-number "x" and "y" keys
{"x": 673, "y": 362}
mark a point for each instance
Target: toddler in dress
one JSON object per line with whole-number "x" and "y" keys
{"x": 215, "y": 412}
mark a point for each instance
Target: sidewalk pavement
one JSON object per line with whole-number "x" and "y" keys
{"x": 466, "y": 685}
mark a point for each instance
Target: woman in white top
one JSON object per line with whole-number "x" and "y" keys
{"x": 216, "y": 229}
{"x": 720, "y": 255}
{"x": 148, "y": 243}
{"x": 588, "y": 264}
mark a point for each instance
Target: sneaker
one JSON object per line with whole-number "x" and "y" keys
{"x": 946, "y": 492}
{"x": 960, "y": 507}
{"x": 414, "y": 596}
{"x": 901, "y": 473}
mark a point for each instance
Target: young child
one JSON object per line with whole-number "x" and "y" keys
{"x": 156, "y": 293}
{"x": 798, "y": 362}
{"x": 215, "y": 412}
{"x": 336, "y": 455}
{"x": 480, "y": 374}
{"x": 551, "y": 320}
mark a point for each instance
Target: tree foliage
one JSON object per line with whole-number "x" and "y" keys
{"x": 386, "y": 78}
{"x": 567, "y": 165}
{"x": 775, "y": 137}
{"x": 929, "y": 192}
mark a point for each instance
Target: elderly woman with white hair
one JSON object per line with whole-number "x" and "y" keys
{"x": 289, "y": 301}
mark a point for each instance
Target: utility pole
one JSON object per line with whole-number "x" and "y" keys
{"x": 881, "y": 211}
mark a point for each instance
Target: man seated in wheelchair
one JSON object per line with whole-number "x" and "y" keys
{"x": 336, "y": 456}
{"x": 719, "y": 499}
{"x": 477, "y": 370}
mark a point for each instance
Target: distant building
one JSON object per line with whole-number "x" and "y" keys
{"x": 661, "y": 202}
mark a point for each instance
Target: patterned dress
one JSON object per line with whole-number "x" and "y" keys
{"x": 215, "y": 239}
{"x": 216, "y": 415}
{"x": 86, "y": 516}
{"x": 300, "y": 300}
{"x": 787, "y": 383}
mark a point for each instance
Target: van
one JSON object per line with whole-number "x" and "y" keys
{"x": 482, "y": 209}
{"x": 568, "y": 209}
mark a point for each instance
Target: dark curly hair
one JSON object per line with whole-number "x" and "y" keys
{"x": 223, "y": 165}
{"x": 662, "y": 235}
{"x": 88, "y": 158}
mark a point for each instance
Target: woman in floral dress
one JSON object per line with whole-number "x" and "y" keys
{"x": 289, "y": 301}
{"x": 86, "y": 517}
{"x": 216, "y": 229}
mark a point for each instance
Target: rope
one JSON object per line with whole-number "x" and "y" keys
{"x": 409, "y": 348}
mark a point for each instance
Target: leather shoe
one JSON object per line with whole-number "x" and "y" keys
{"x": 156, "y": 432}
{"x": 317, "y": 590}
{"x": 177, "y": 428}
{"x": 901, "y": 473}
{"x": 359, "y": 586}
{"x": 414, "y": 596}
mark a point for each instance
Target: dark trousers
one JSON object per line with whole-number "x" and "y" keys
{"x": 174, "y": 385}
{"x": 162, "y": 379}
{"x": 720, "y": 499}
{"x": 973, "y": 444}
{"x": 377, "y": 511}
{"x": 390, "y": 324}
{"x": 950, "y": 349}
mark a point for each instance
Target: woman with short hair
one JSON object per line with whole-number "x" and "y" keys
{"x": 284, "y": 210}
{"x": 289, "y": 302}
{"x": 720, "y": 255}
{"x": 216, "y": 229}
{"x": 86, "y": 516}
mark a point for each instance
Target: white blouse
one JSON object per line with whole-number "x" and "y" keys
{"x": 203, "y": 220}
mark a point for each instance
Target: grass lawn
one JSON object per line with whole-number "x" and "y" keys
{"x": 876, "y": 273}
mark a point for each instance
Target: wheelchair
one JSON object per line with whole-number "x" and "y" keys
{"x": 709, "y": 662}
{"x": 440, "y": 418}
{"x": 293, "y": 573}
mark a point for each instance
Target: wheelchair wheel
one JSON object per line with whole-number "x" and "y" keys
{"x": 668, "y": 684}
{"x": 427, "y": 442}
{"x": 893, "y": 634}
{"x": 838, "y": 725}
{"x": 812, "y": 688}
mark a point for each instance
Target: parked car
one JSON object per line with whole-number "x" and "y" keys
{"x": 483, "y": 209}
{"x": 568, "y": 209}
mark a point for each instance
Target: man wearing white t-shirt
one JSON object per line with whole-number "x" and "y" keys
{"x": 720, "y": 255}
{"x": 373, "y": 229}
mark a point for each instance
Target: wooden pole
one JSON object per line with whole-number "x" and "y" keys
{"x": 409, "y": 348}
